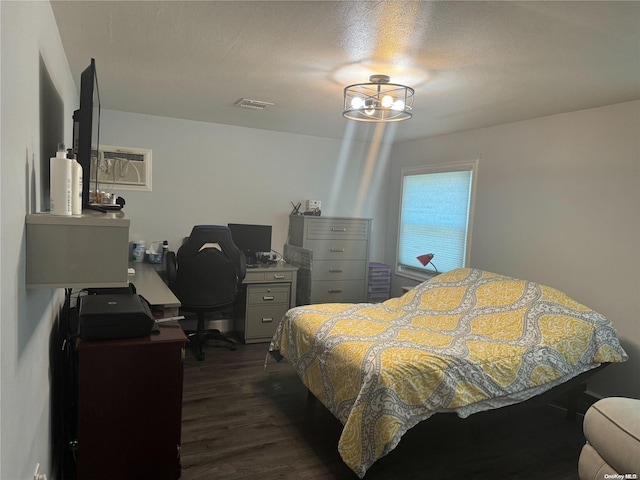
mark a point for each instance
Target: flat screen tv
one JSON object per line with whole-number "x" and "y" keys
{"x": 86, "y": 128}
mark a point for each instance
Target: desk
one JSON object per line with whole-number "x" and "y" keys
{"x": 269, "y": 292}
{"x": 149, "y": 284}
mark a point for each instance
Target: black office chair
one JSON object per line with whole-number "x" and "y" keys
{"x": 205, "y": 275}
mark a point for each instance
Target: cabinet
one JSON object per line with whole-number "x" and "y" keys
{"x": 332, "y": 254}
{"x": 268, "y": 293}
{"x": 130, "y": 407}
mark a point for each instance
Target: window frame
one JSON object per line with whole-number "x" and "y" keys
{"x": 467, "y": 165}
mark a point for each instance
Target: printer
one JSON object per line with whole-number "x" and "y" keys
{"x": 112, "y": 316}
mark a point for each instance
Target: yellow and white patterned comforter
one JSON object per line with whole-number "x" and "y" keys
{"x": 467, "y": 340}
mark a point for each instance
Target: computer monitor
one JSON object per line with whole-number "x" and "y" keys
{"x": 251, "y": 239}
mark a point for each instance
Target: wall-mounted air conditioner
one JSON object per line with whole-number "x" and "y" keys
{"x": 121, "y": 168}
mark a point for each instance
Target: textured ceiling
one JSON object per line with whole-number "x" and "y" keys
{"x": 472, "y": 64}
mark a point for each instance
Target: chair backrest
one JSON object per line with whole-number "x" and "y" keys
{"x": 210, "y": 268}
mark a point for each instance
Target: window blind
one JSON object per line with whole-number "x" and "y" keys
{"x": 434, "y": 218}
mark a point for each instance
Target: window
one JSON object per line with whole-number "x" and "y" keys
{"x": 436, "y": 211}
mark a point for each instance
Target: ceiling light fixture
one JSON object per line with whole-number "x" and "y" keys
{"x": 378, "y": 101}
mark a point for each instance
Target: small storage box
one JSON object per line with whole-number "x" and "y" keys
{"x": 379, "y": 288}
{"x": 379, "y": 269}
{"x": 379, "y": 282}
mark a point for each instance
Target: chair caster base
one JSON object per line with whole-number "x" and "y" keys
{"x": 199, "y": 340}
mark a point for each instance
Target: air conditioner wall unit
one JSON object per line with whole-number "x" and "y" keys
{"x": 121, "y": 168}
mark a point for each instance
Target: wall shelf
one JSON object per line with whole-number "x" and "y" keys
{"x": 80, "y": 251}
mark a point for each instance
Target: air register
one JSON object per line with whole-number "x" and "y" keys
{"x": 112, "y": 316}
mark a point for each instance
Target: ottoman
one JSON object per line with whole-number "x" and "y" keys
{"x": 612, "y": 430}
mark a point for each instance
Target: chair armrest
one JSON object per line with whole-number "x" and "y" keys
{"x": 243, "y": 267}
{"x": 170, "y": 266}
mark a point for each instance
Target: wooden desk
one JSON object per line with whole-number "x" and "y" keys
{"x": 269, "y": 292}
{"x": 130, "y": 407}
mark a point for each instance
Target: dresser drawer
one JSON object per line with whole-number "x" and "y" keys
{"x": 338, "y": 249}
{"x": 270, "y": 276}
{"x": 261, "y": 323}
{"x": 345, "y": 291}
{"x": 339, "y": 270}
{"x": 302, "y": 229}
{"x": 265, "y": 294}
{"x": 336, "y": 228}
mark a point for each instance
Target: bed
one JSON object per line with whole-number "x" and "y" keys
{"x": 466, "y": 341}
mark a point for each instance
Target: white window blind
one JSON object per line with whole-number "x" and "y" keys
{"x": 435, "y": 217}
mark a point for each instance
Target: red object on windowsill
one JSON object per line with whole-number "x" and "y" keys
{"x": 425, "y": 259}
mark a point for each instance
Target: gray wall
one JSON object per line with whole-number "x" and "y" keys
{"x": 217, "y": 174}
{"x": 557, "y": 202}
{"x": 28, "y": 33}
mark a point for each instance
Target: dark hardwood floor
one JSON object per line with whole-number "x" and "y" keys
{"x": 242, "y": 421}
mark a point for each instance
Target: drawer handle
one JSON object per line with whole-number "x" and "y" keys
{"x": 335, "y": 290}
{"x": 267, "y": 319}
{"x": 337, "y": 250}
{"x": 336, "y": 229}
{"x": 278, "y": 276}
{"x": 335, "y": 270}
{"x": 268, "y": 298}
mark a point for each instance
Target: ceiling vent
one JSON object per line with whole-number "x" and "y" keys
{"x": 255, "y": 104}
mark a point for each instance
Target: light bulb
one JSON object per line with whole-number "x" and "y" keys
{"x": 357, "y": 103}
{"x": 398, "y": 105}
{"x": 369, "y": 103}
{"x": 387, "y": 101}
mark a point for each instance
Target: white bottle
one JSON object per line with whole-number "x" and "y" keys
{"x": 61, "y": 174}
{"x": 76, "y": 184}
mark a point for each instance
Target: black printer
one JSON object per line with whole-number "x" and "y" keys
{"x": 111, "y": 316}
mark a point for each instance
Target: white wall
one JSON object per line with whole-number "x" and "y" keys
{"x": 217, "y": 174}
{"x": 558, "y": 202}
{"x": 28, "y": 32}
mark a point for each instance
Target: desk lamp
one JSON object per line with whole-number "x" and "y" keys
{"x": 425, "y": 260}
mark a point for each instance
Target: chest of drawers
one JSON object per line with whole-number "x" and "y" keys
{"x": 332, "y": 254}
{"x": 130, "y": 407}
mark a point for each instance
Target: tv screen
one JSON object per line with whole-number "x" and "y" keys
{"x": 86, "y": 131}
{"x": 251, "y": 239}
